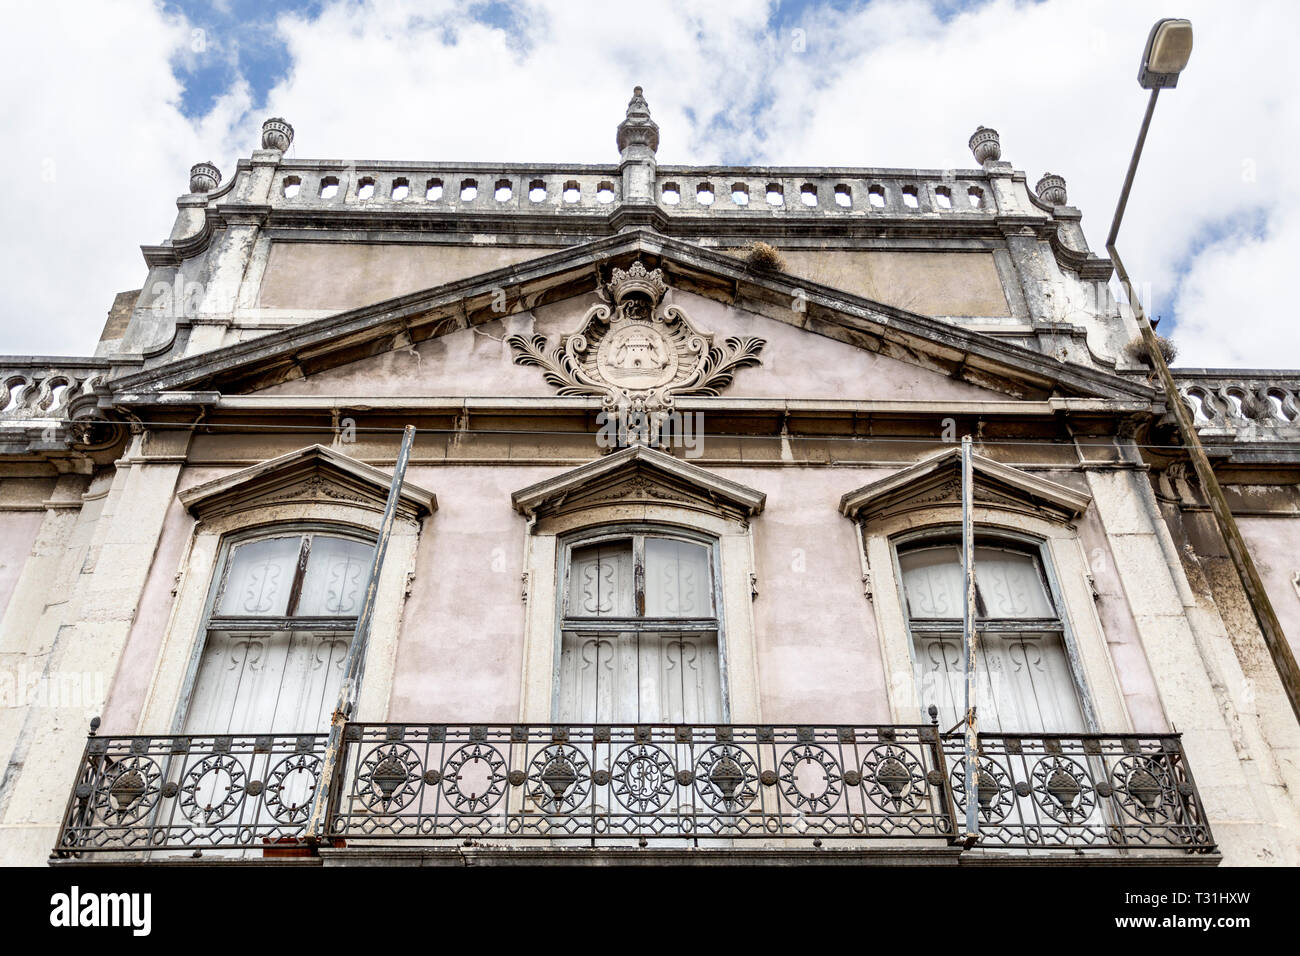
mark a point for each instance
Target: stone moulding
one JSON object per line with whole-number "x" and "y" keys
{"x": 638, "y": 473}
{"x": 634, "y": 353}
{"x": 314, "y": 473}
{"x": 936, "y": 481}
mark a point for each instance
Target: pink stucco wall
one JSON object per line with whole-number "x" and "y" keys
{"x": 1275, "y": 545}
{"x": 461, "y": 647}
{"x": 18, "y": 531}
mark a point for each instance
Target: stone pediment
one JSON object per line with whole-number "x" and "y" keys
{"x": 936, "y": 482}
{"x": 312, "y": 475}
{"x": 638, "y": 475}
{"x": 398, "y": 324}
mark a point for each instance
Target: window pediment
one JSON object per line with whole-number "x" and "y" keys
{"x": 311, "y": 475}
{"x": 638, "y": 475}
{"x": 936, "y": 482}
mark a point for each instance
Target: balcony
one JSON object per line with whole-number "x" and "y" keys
{"x": 630, "y": 786}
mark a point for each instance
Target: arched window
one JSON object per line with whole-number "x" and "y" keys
{"x": 282, "y": 613}
{"x": 1025, "y": 681}
{"x": 639, "y": 630}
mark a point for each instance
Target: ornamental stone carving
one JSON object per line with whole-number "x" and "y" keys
{"x": 635, "y": 353}
{"x": 276, "y": 134}
{"x": 204, "y": 177}
{"x": 1051, "y": 189}
{"x": 986, "y": 145}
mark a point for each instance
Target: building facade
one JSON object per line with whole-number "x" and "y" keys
{"x": 674, "y": 572}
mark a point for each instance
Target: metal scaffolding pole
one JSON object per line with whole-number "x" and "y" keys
{"x": 355, "y": 663}
{"x": 970, "y": 748}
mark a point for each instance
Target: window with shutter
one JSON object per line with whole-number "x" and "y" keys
{"x": 639, "y": 633}
{"x": 282, "y": 617}
{"x": 1025, "y": 683}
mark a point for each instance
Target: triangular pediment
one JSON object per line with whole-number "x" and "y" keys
{"x": 311, "y": 475}
{"x": 936, "y": 482}
{"x": 947, "y": 350}
{"x": 638, "y": 475}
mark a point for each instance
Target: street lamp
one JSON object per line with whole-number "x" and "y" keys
{"x": 1168, "y": 48}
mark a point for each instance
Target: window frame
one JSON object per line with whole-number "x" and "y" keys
{"x": 637, "y": 532}
{"x": 1034, "y": 546}
{"x": 211, "y": 621}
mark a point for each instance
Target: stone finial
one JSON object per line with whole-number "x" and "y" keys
{"x": 276, "y": 134}
{"x": 986, "y": 145}
{"x": 1051, "y": 189}
{"x": 638, "y": 129}
{"x": 204, "y": 177}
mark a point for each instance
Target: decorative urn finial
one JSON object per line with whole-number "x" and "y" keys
{"x": 1051, "y": 189}
{"x": 204, "y": 177}
{"x": 638, "y": 129}
{"x": 276, "y": 134}
{"x": 986, "y": 145}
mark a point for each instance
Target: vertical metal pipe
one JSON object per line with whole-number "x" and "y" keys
{"x": 355, "y": 663}
{"x": 970, "y": 749}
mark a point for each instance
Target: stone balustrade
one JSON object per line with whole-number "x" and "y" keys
{"x": 41, "y": 389}
{"x": 1243, "y": 404}
{"x": 693, "y": 190}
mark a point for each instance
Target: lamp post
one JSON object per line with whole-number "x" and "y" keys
{"x": 1168, "y": 48}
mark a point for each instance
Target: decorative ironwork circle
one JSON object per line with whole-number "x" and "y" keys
{"x": 1023, "y": 789}
{"x": 810, "y": 778}
{"x": 560, "y": 776}
{"x": 725, "y": 778}
{"x": 1063, "y": 789}
{"x": 212, "y": 790}
{"x": 1144, "y": 788}
{"x": 768, "y": 778}
{"x": 433, "y": 777}
{"x": 389, "y": 777}
{"x": 254, "y": 788}
{"x": 516, "y": 778}
{"x": 644, "y": 778}
{"x": 852, "y": 778}
{"x": 993, "y": 789}
{"x": 129, "y": 791}
{"x": 601, "y": 777}
{"x": 473, "y": 778}
{"x": 934, "y": 778}
{"x": 893, "y": 778}
{"x": 291, "y": 785}
{"x": 170, "y": 789}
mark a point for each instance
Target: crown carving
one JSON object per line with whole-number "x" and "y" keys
{"x": 637, "y": 280}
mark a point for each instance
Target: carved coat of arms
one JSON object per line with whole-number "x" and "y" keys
{"x": 635, "y": 353}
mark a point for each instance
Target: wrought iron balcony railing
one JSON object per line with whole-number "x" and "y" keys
{"x": 592, "y": 785}
{"x": 641, "y": 782}
{"x": 192, "y": 792}
{"x": 1082, "y": 790}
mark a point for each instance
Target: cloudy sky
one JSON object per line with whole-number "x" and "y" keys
{"x": 104, "y": 107}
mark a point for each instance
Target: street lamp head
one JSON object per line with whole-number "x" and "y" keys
{"x": 1168, "y": 48}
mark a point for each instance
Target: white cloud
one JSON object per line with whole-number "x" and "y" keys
{"x": 891, "y": 85}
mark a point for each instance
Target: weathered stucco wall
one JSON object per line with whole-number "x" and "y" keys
{"x": 17, "y": 532}
{"x": 338, "y": 275}
{"x": 1274, "y": 543}
{"x": 460, "y": 645}
{"x": 931, "y": 283}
